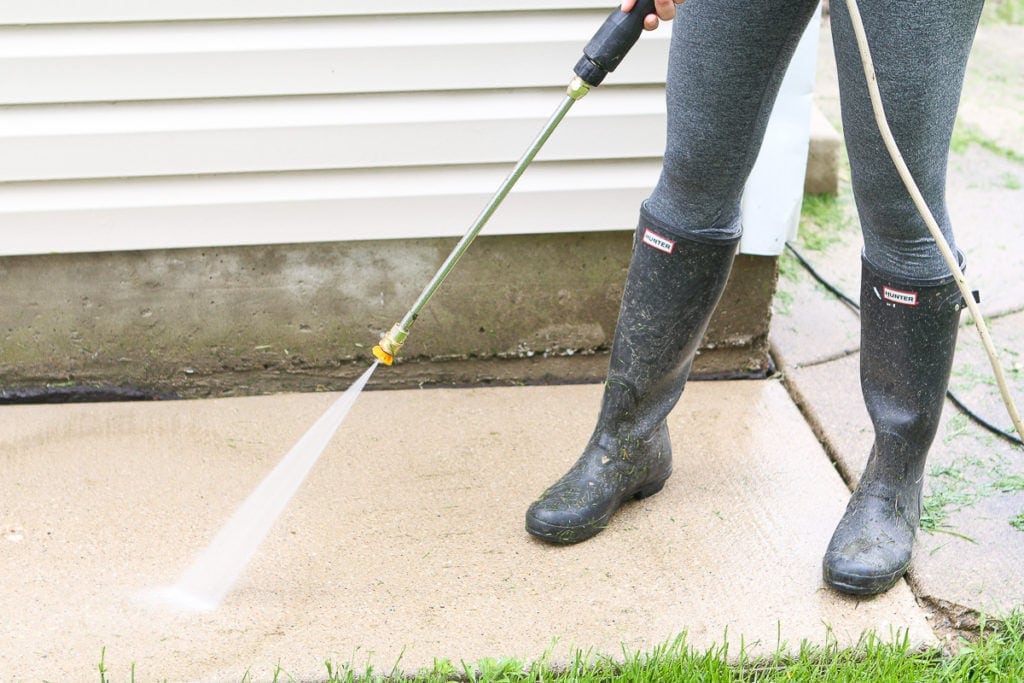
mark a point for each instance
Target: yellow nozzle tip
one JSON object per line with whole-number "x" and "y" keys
{"x": 383, "y": 356}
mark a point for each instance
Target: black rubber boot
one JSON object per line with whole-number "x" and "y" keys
{"x": 908, "y": 335}
{"x": 671, "y": 291}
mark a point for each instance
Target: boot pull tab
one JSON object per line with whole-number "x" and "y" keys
{"x": 961, "y": 303}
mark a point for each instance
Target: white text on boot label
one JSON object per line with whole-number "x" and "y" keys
{"x": 658, "y": 242}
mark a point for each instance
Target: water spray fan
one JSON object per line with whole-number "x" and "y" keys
{"x": 601, "y": 56}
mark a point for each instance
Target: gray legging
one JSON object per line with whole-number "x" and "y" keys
{"x": 726, "y": 63}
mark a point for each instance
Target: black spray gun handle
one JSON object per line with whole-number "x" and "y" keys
{"x": 617, "y": 35}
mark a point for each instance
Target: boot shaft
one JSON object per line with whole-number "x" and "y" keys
{"x": 908, "y": 339}
{"x": 673, "y": 286}
{"x": 908, "y": 335}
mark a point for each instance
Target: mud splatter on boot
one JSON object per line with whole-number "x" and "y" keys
{"x": 612, "y": 470}
{"x": 908, "y": 336}
{"x": 672, "y": 288}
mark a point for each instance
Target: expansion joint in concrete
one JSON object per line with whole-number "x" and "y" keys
{"x": 814, "y": 422}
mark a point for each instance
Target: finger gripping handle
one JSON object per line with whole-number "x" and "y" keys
{"x": 609, "y": 46}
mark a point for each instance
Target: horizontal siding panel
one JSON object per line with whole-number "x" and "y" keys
{"x": 176, "y": 60}
{"x": 346, "y": 132}
{"x": 317, "y": 206}
{"x": 127, "y": 125}
{"x": 96, "y": 11}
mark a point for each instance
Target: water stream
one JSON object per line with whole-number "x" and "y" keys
{"x": 211, "y": 576}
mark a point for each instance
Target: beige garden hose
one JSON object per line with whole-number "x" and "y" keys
{"x": 926, "y": 214}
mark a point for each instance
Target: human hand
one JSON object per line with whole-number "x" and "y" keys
{"x": 664, "y": 10}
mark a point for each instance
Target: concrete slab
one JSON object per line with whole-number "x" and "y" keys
{"x": 972, "y": 379}
{"x": 406, "y": 542}
{"x": 986, "y": 203}
{"x": 829, "y": 395}
{"x": 822, "y": 176}
{"x": 993, "y": 98}
{"x": 830, "y": 240}
{"x": 809, "y": 324}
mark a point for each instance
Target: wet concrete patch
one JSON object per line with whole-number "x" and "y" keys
{"x": 406, "y": 542}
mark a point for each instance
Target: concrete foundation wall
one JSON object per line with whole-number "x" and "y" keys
{"x": 238, "y": 320}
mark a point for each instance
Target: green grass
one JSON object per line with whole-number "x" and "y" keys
{"x": 994, "y": 653}
{"x": 1003, "y": 12}
{"x": 968, "y": 376}
{"x": 997, "y": 654}
{"x": 782, "y": 304}
{"x": 950, "y": 493}
{"x": 1009, "y": 483}
{"x": 823, "y": 221}
{"x": 965, "y": 135}
{"x": 1018, "y": 522}
{"x": 962, "y": 484}
{"x": 789, "y": 267}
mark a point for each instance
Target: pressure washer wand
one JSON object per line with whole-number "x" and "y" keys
{"x": 601, "y": 56}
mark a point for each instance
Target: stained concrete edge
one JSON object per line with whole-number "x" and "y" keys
{"x": 244, "y": 320}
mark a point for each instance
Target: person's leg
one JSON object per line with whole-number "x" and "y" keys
{"x": 727, "y": 61}
{"x": 920, "y": 52}
{"x": 910, "y": 305}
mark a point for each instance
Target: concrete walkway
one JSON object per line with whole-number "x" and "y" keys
{"x": 406, "y": 545}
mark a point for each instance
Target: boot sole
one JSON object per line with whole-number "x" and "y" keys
{"x": 567, "y": 535}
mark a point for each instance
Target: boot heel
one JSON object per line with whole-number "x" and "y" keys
{"x": 649, "y": 490}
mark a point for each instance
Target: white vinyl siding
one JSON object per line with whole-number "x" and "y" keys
{"x": 140, "y": 125}
{"x": 96, "y": 11}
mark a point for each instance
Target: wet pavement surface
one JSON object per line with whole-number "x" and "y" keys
{"x": 406, "y": 542}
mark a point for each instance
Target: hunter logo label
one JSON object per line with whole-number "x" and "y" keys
{"x": 898, "y": 296}
{"x": 658, "y": 242}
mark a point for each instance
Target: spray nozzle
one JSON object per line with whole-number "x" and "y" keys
{"x": 390, "y": 343}
{"x": 383, "y": 356}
